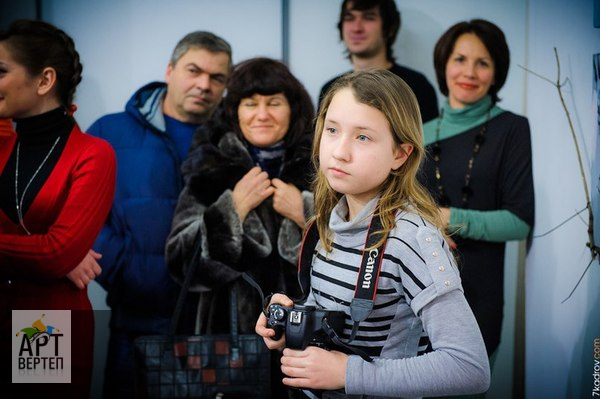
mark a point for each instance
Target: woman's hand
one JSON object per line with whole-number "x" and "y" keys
{"x": 266, "y": 332}
{"x": 315, "y": 368}
{"x": 445, "y": 218}
{"x": 86, "y": 270}
{"x": 287, "y": 201}
{"x": 250, "y": 191}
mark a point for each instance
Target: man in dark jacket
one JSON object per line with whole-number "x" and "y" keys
{"x": 151, "y": 139}
{"x": 369, "y": 29}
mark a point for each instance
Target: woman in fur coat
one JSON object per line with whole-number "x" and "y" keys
{"x": 246, "y": 198}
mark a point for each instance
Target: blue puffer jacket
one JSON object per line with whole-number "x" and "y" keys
{"x": 140, "y": 292}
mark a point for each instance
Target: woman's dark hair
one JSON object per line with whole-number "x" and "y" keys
{"x": 494, "y": 41}
{"x": 37, "y": 45}
{"x": 266, "y": 76}
{"x": 390, "y": 17}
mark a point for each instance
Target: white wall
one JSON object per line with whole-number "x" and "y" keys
{"x": 126, "y": 43}
{"x": 560, "y": 335}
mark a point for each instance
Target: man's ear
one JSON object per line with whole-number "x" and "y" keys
{"x": 168, "y": 72}
{"x": 47, "y": 81}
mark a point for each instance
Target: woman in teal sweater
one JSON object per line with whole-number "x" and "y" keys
{"x": 479, "y": 165}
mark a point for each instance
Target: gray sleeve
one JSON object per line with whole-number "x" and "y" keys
{"x": 457, "y": 365}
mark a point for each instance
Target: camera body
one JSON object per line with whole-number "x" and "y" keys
{"x": 302, "y": 325}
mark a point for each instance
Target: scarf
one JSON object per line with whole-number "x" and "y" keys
{"x": 270, "y": 159}
{"x": 453, "y": 121}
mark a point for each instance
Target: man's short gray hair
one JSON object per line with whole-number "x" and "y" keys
{"x": 201, "y": 40}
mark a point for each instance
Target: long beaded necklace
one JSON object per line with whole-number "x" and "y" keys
{"x": 19, "y": 203}
{"x": 443, "y": 200}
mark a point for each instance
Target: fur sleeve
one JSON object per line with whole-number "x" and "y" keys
{"x": 185, "y": 228}
{"x": 290, "y": 235}
{"x": 222, "y": 239}
{"x": 187, "y": 231}
{"x": 228, "y": 239}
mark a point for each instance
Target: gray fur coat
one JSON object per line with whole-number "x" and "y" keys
{"x": 265, "y": 245}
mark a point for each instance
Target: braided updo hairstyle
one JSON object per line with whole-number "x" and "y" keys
{"x": 37, "y": 45}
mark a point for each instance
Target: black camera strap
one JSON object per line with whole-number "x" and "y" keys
{"x": 368, "y": 274}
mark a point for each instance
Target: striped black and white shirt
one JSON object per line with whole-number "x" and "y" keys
{"x": 421, "y": 330}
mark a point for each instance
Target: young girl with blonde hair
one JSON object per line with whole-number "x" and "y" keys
{"x": 421, "y": 334}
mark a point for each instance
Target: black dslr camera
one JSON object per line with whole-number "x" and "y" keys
{"x": 303, "y": 325}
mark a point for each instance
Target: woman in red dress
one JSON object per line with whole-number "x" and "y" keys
{"x": 56, "y": 190}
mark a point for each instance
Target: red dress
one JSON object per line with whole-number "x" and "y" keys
{"x": 6, "y": 127}
{"x": 64, "y": 220}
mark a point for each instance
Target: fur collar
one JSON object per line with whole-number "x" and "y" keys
{"x": 219, "y": 159}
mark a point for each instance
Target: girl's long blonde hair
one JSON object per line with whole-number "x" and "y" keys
{"x": 386, "y": 92}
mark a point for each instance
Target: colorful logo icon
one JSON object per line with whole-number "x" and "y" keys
{"x": 37, "y": 330}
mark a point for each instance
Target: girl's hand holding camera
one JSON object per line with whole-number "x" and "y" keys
{"x": 312, "y": 367}
{"x": 268, "y": 333}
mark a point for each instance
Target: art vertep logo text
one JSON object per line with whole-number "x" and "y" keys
{"x": 36, "y": 338}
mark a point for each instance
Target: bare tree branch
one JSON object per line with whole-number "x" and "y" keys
{"x": 594, "y": 250}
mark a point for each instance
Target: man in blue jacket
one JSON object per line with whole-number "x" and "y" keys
{"x": 151, "y": 139}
